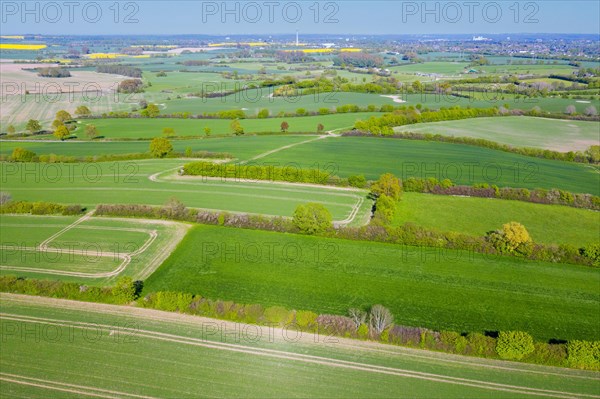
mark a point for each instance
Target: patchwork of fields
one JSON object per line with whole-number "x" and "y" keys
{"x": 288, "y": 271}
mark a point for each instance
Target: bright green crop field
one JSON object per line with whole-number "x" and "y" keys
{"x": 243, "y": 147}
{"x": 548, "y": 224}
{"x": 149, "y": 128}
{"x": 132, "y": 350}
{"x": 439, "y": 289}
{"x": 463, "y": 164}
{"x": 519, "y": 131}
{"x": 154, "y": 182}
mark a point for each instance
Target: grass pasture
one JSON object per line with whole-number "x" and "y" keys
{"x": 154, "y": 182}
{"x": 434, "y": 288}
{"x": 96, "y": 250}
{"x": 519, "y": 131}
{"x": 201, "y": 360}
{"x": 548, "y": 224}
{"x": 244, "y": 147}
{"x": 149, "y": 128}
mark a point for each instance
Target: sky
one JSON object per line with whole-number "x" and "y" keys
{"x": 286, "y": 17}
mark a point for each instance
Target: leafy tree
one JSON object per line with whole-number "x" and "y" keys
{"x": 207, "y": 131}
{"x": 512, "y": 237}
{"x": 62, "y": 132}
{"x": 33, "y": 126}
{"x": 514, "y": 345}
{"x": 151, "y": 111}
{"x": 236, "y": 127}
{"x": 593, "y": 153}
{"x": 11, "y": 129}
{"x": 584, "y": 354}
{"x": 385, "y": 210}
{"x": 56, "y": 124}
{"x": 169, "y": 131}
{"x": 358, "y": 181}
{"x": 284, "y": 126}
{"x": 320, "y": 128}
{"x": 160, "y": 147}
{"x": 263, "y": 113}
{"x": 124, "y": 290}
{"x": 82, "y": 110}
{"x": 389, "y": 185}
{"x": 312, "y": 218}
{"x": 20, "y": 154}
{"x": 91, "y": 131}
{"x": 63, "y": 116}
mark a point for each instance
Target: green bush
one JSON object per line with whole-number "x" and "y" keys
{"x": 481, "y": 345}
{"x": 278, "y": 315}
{"x": 306, "y": 319}
{"x": 312, "y": 218}
{"x": 584, "y": 354}
{"x": 363, "y": 331}
{"x": 514, "y": 345}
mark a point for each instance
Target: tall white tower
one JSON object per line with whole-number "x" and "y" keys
{"x": 297, "y": 40}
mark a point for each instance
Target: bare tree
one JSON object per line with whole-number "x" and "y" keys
{"x": 591, "y": 111}
{"x": 4, "y": 198}
{"x": 570, "y": 110}
{"x": 358, "y": 316}
{"x": 380, "y": 318}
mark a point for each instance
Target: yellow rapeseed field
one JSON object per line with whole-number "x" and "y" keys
{"x": 12, "y": 46}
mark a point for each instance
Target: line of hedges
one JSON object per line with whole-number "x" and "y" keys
{"x": 258, "y": 172}
{"x": 40, "y": 208}
{"x": 511, "y": 345}
{"x": 407, "y": 234}
{"x": 538, "y": 196}
{"x": 22, "y": 155}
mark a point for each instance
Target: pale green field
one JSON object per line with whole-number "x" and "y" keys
{"x": 154, "y": 182}
{"x": 92, "y": 249}
{"x": 519, "y": 131}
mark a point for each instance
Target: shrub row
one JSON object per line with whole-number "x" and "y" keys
{"x": 124, "y": 291}
{"x": 512, "y": 345}
{"x": 588, "y": 156}
{"x": 538, "y": 196}
{"x": 29, "y": 156}
{"x": 258, "y": 172}
{"x": 407, "y": 234}
{"x": 40, "y": 208}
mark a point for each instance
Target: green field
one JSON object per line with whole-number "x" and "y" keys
{"x": 154, "y": 182}
{"x": 148, "y": 128}
{"x": 463, "y": 164}
{"x": 548, "y": 224}
{"x": 132, "y": 350}
{"x": 519, "y": 131}
{"x": 370, "y": 156}
{"x": 434, "y": 288}
{"x": 243, "y": 147}
{"x": 89, "y": 249}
